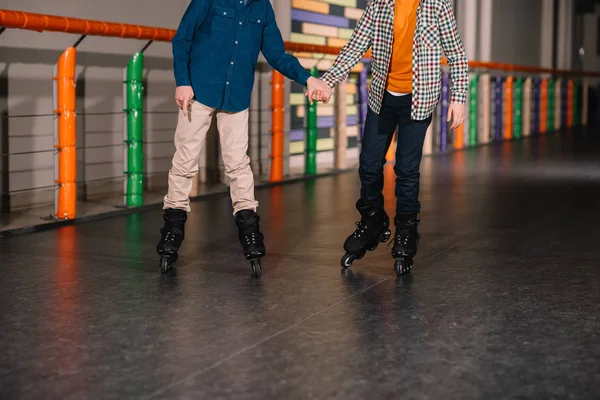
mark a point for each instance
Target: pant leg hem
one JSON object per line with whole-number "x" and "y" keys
{"x": 245, "y": 206}
{"x": 175, "y": 206}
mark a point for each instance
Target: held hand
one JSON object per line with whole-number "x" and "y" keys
{"x": 183, "y": 97}
{"x": 456, "y": 113}
{"x": 317, "y": 90}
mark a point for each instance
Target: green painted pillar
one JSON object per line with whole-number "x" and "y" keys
{"x": 473, "y": 111}
{"x": 310, "y": 162}
{"x": 518, "y": 110}
{"x": 551, "y": 103}
{"x": 576, "y": 110}
{"x": 134, "y": 98}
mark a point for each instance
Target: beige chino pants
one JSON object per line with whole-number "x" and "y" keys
{"x": 190, "y": 137}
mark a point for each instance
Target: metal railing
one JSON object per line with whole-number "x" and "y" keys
{"x": 505, "y": 102}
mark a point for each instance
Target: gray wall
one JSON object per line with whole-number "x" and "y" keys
{"x": 516, "y": 32}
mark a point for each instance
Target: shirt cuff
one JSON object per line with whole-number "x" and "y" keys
{"x": 182, "y": 81}
{"x": 460, "y": 98}
{"x": 327, "y": 79}
{"x": 304, "y": 75}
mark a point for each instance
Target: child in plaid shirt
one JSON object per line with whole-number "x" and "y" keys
{"x": 407, "y": 38}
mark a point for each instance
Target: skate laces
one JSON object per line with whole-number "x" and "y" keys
{"x": 252, "y": 237}
{"x": 402, "y": 236}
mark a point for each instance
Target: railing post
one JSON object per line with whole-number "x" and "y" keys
{"x": 444, "y": 116}
{"x": 310, "y": 162}
{"x": 363, "y": 98}
{"x": 544, "y": 106}
{"x": 535, "y": 117}
{"x": 585, "y": 103}
{"x": 459, "y": 137}
{"x": 134, "y": 131}
{"x": 576, "y": 103}
{"x": 570, "y": 103}
{"x": 428, "y": 143}
{"x": 341, "y": 135}
{"x": 508, "y": 109}
{"x": 498, "y": 108}
{"x": 558, "y": 104}
{"x": 277, "y": 121}
{"x": 473, "y": 111}
{"x": 527, "y": 107}
{"x": 66, "y": 136}
{"x": 4, "y": 146}
{"x": 391, "y": 151}
{"x": 486, "y": 117}
{"x": 518, "y": 113}
{"x": 459, "y": 133}
{"x": 551, "y": 100}
{"x": 564, "y": 118}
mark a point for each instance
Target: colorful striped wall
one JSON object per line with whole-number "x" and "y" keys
{"x": 326, "y": 22}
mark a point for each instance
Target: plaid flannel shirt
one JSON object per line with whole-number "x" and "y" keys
{"x": 435, "y": 30}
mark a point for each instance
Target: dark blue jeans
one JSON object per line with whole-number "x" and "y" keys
{"x": 379, "y": 130}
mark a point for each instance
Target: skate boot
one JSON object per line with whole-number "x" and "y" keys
{"x": 251, "y": 238}
{"x": 172, "y": 235}
{"x": 406, "y": 242}
{"x": 372, "y": 229}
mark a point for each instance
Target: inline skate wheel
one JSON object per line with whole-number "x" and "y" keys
{"x": 403, "y": 266}
{"x": 256, "y": 267}
{"x": 166, "y": 263}
{"x": 347, "y": 260}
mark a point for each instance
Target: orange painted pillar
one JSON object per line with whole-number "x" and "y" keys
{"x": 459, "y": 137}
{"x": 277, "y": 120}
{"x": 571, "y": 103}
{"x": 66, "y": 135}
{"x": 544, "y": 106}
{"x": 391, "y": 153}
{"x": 508, "y": 108}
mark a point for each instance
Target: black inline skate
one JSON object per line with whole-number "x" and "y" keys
{"x": 372, "y": 229}
{"x": 251, "y": 238}
{"x": 172, "y": 235}
{"x": 406, "y": 242}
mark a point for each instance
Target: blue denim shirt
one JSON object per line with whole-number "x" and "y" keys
{"x": 216, "y": 47}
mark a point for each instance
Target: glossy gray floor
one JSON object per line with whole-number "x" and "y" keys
{"x": 502, "y": 303}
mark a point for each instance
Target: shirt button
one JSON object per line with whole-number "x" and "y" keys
{"x": 240, "y": 23}
{"x": 227, "y": 83}
{"x": 236, "y": 42}
{"x": 224, "y": 13}
{"x": 259, "y": 21}
{"x": 232, "y": 63}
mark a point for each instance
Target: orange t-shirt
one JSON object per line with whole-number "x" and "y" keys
{"x": 405, "y": 22}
